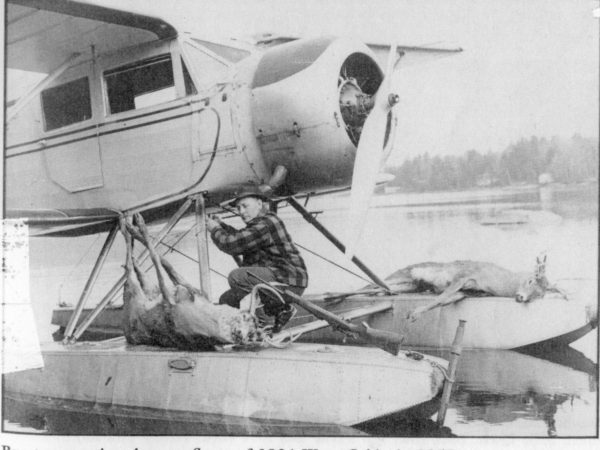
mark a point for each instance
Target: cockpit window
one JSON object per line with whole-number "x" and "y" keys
{"x": 144, "y": 83}
{"x": 232, "y": 54}
{"x": 190, "y": 88}
{"x": 206, "y": 69}
{"x": 67, "y": 104}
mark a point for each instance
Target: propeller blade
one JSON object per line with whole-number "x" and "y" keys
{"x": 368, "y": 157}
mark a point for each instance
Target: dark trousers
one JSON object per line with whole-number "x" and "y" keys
{"x": 241, "y": 283}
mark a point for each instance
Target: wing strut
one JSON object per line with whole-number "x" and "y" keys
{"x": 12, "y": 113}
{"x": 110, "y": 239}
{"x": 314, "y": 222}
{"x": 119, "y": 284}
{"x": 202, "y": 244}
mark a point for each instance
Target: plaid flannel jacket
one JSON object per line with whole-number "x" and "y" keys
{"x": 264, "y": 242}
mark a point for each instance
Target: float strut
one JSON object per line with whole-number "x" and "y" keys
{"x": 110, "y": 239}
{"x": 202, "y": 243}
{"x": 314, "y": 222}
{"x": 119, "y": 284}
{"x": 454, "y": 356}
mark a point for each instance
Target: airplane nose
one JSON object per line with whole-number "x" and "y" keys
{"x": 310, "y": 100}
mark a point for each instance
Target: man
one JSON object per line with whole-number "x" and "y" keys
{"x": 267, "y": 251}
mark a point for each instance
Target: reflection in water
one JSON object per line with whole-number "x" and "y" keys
{"x": 502, "y": 386}
{"x": 75, "y": 418}
{"x": 498, "y": 409}
{"x": 498, "y": 393}
{"x": 45, "y": 416}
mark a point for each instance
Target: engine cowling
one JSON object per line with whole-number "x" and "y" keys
{"x": 309, "y": 101}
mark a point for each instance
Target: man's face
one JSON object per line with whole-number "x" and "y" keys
{"x": 249, "y": 208}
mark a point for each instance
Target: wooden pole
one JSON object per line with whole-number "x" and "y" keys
{"x": 335, "y": 241}
{"x": 202, "y": 243}
{"x": 454, "y": 356}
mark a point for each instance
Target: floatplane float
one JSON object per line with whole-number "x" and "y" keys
{"x": 555, "y": 318}
{"x": 135, "y": 116}
{"x": 304, "y": 389}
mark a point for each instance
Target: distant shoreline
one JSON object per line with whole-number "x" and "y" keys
{"x": 389, "y": 189}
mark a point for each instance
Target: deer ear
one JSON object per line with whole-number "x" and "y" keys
{"x": 541, "y": 258}
{"x": 470, "y": 283}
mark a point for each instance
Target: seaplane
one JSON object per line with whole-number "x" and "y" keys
{"x": 138, "y": 117}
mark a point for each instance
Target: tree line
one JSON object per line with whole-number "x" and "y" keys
{"x": 565, "y": 160}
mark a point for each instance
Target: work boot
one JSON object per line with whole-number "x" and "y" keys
{"x": 263, "y": 319}
{"x": 283, "y": 317}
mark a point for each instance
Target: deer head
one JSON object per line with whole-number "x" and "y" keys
{"x": 534, "y": 286}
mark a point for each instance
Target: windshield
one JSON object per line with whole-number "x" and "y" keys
{"x": 232, "y": 54}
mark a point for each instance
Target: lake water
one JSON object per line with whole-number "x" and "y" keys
{"x": 498, "y": 393}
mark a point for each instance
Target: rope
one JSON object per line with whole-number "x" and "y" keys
{"x": 334, "y": 263}
{"x": 255, "y": 299}
{"x": 172, "y": 245}
{"x": 268, "y": 341}
{"x": 173, "y": 249}
{"x": 281, "y": 342}
{"x": 442, "y": 369}
{"x": 225, "y": 208}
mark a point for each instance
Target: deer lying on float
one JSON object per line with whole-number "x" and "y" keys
{"x": 180, "y": 317}
{"x": 456, "y": 280}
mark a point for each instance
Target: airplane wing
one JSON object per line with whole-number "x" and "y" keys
{"x": 411, "y": 55}
{"x": 65, "y": 222}
{"x": 42, "y": 34}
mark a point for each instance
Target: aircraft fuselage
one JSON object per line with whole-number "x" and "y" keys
{"x": 146, "y": 125}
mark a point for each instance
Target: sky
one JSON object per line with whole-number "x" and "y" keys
{"x": 529, "y": 67}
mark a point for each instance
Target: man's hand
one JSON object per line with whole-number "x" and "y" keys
{"x": 211, "y": 223}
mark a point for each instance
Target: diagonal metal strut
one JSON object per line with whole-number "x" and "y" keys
{"x": 110, "y": 239}
{"x": 119, "y": 284}
{"x": 335, "y": 241}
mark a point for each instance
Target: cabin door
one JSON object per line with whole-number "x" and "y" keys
{"x": 76, "y": 166}
{"x": 72, "y": 149}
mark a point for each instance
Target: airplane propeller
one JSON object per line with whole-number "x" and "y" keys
{"x": 369, "y": 156}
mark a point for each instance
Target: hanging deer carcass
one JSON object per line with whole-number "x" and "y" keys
{"x": 454, "y": 281}
{"x": 179, "y": 317}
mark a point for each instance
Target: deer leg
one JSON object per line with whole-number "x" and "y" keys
{"x": 128, "y": 245}
{"x": 450, "y": 295}
{"x": 173, "y": 275}
{"x": 146, "y": 286}
{"x": 141, "y": 276}
{"x": 177, "y": 279}
{"x": 555, "y": 288}
{"x": 155, "y": 260}
{"x": 133, "y": 288}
